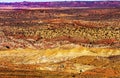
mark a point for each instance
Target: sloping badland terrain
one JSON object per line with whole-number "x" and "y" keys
{"x": 60, "y": 43}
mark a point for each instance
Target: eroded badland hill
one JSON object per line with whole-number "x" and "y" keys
{"x": 60, "y": 43}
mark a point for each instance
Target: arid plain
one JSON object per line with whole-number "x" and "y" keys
{"x": 60, "y": 43}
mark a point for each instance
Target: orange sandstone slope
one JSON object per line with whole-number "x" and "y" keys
{"x": 73, "y": 61}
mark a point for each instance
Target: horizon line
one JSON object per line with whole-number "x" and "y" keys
{"x": 60, "y": 1}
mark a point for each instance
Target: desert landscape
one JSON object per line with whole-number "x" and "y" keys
{"x": 60, "y": 43}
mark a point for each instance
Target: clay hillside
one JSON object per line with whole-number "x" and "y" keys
{"x": 60, "y": 42}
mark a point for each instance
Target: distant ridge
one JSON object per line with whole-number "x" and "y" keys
{"x": 92, "y": 4}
